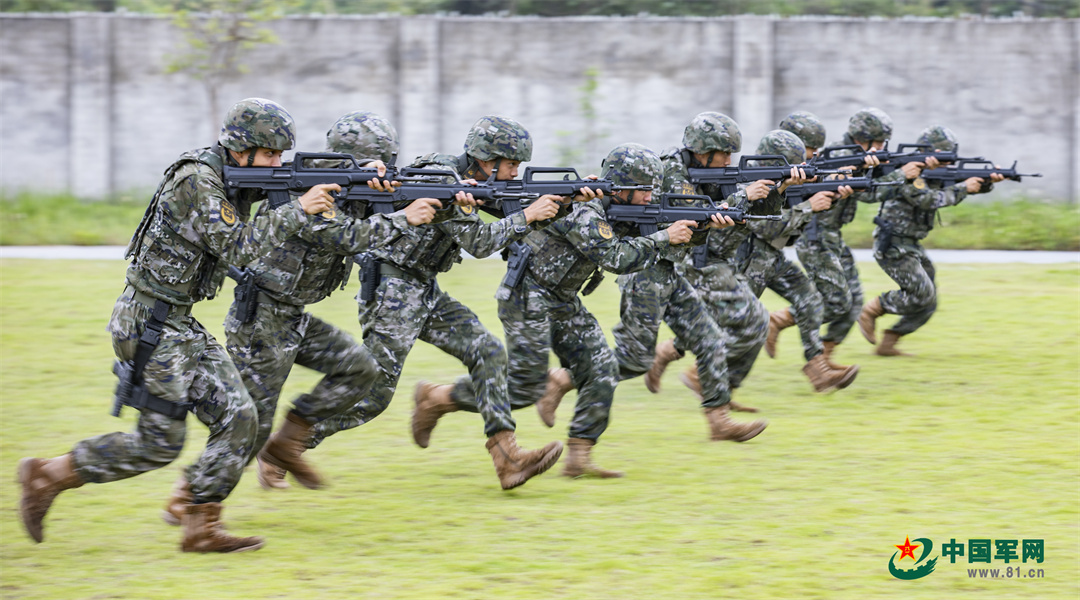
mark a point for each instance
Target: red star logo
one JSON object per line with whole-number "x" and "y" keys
{"x": 907, "y": 549}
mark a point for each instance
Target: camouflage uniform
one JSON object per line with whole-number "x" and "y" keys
{"x": 742, "y": 319}
{"x": 825, "y": 256}
{"x": 409, "y": 305}
{"x": 761, "y": 258}
{"x": 190, "y": 234}
{"x": 544, "y": 313}
{"x": 906, "y": 216}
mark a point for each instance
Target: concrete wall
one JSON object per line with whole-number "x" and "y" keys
{"x": 86, "y": 105}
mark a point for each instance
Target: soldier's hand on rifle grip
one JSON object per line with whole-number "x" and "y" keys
{"x": 821, "y": 201}
{"x": 974, "y": 184}
{"x": 759, "y": 190}
{"x": 465, "y": 198}
{"x": 796, "y": 177}
{"x": 912, "y": 170}
{"x": 844, "y": 191}
{"x": 719, "y": 221}
{"x": 996, "y": 177}
{"x": 319, "y": 198}
{"x": 543, "y": 208}
{"x": 421, "y": 211}
{"x": 870, "y": 160}
{"x": 680, "y": 232}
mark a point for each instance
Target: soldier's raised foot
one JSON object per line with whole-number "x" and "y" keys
{"x": 722, "y": 428}
{"x": 42, "y": 481}
{"x": 665, "y": 354}
{"x": 178, "y": 501}
{"x": 285, "y": 447}
{"x": 778, "y": 321}
{"x": 270, "y": 477}
{"x": 430, "y": 402}
{"x": 870, "y": 312}
{"x": 887, "y": 347}
{"x": 559, "y": 384}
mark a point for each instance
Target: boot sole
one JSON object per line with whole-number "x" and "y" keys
{"x": 849, "y": 379}
{"x": 309, "y": 483}
{"x": 26, "y": 466}
{"x": 545, "y": 463}
{"x": 243, "y": 549}
{"x": 753, "y": 434}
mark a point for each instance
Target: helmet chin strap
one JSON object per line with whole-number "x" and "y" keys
{"x": 251, "y": 157}
{"x": 495, "y": 168}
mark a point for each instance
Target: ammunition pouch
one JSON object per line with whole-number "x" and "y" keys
{"x": 370, "y": 276}
{"x": 700, "y": 256}
{"x": 517, "y": 262}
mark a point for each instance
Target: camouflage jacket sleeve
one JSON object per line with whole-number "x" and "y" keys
{"x": 482, "y": 239}
{"x": 214, "y": 220}
{"x": 926, "y": 197}
{"x": 347, "y": 236}
{"x": 794, "y": 219}
{"x": 592, "y": 236}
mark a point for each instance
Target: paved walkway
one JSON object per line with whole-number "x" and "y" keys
{"x": 938, "y": 256}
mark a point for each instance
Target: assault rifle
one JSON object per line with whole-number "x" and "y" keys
{"x": 568, "y": 186}
{"x": 966, "y": 168}
{"x": 890, "y": 160}
{"x": 297, "y": 177}
{"x": 800, "y": 193}
{"x": 728, "y": 177}
{"x": 648, "y": 217}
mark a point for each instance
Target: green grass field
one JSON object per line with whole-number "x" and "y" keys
{"x": 978, "y": 436}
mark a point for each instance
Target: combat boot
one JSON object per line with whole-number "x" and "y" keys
{"x": 204, "y": 532}
{"x": 721, "y": 427}
{"x": 284, "y": 448}
{"x": 178, "y": 501}
{"x": 42, "y": 481}
{"x": 870, "y": 312}
{"x": 430, "y": 402}
{"x": 665, "y": 353}
{"x": 559, "y": 384}
{"x": 579, "y": 463}
{"x": 269, "y": 476}
{"x": 887, "y": 347}
{"x": 515, "y": 465}
{"x": 779, "y": 320}
{"x": 825, "y": 379}
{"x": 691, "y": 380}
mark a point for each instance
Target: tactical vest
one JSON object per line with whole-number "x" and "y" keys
{"x": 432, "y": 250}
{"x": 300, "y": 273}
{"x": 165, "y": 264}
{"x": 548, "y": 264}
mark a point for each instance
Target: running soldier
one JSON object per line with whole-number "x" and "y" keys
{"x": 406, "y": 304}
{"x": 906, "y": 217}
{"x": 306, "y": 269}
{"x": 763, "y": 264}
{"x": 541, "y": 311}
{"x": 711, "y": 313}
{"x": 821, "y": 248}
{"x": 180, "y": 252}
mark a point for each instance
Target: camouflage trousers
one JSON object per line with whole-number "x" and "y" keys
{"x": 767, "y": 267}
{"x": 742, "y": 319}
{"x": 832, "y": 269}
{"x": 188, "y": 365}
{"x": 661, "y": 294}
{"x": 406, "y": 309}
{"x": 536, "y": 322}
{"x": 281, "y": 335}
{"x": 916, "y": 300}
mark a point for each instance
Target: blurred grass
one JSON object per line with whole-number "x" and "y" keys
{"x": 981, "y": 224}
{"x": 975, "y": 437}
{"x": 28, "y": 220}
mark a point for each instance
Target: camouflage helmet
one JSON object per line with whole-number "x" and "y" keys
{"x": 712, "y": 132}
{"x": 784, "y": 143}
{"x": 938, "y": 136}
{"x": 257, "y": 123}
{"x": 632, "y": 164}
{"x": 807, "y": 126}
{"x": 870, "y": 124}
{"x": 498, "y": 137}
{"x": 364, "y": 135}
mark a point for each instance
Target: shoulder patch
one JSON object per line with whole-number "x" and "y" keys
{"x": 604, "y": 229}
{"x": 687, "y": 188}
{"x": 466, "y": 209}
{"x": 919, "y": 183}
{"x": 228, "y": 213}
{"x": 328, "y": 214}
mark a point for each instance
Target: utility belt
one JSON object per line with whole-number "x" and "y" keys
{"x": 131, "y": 389}
{"x": 372, "y": 271}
